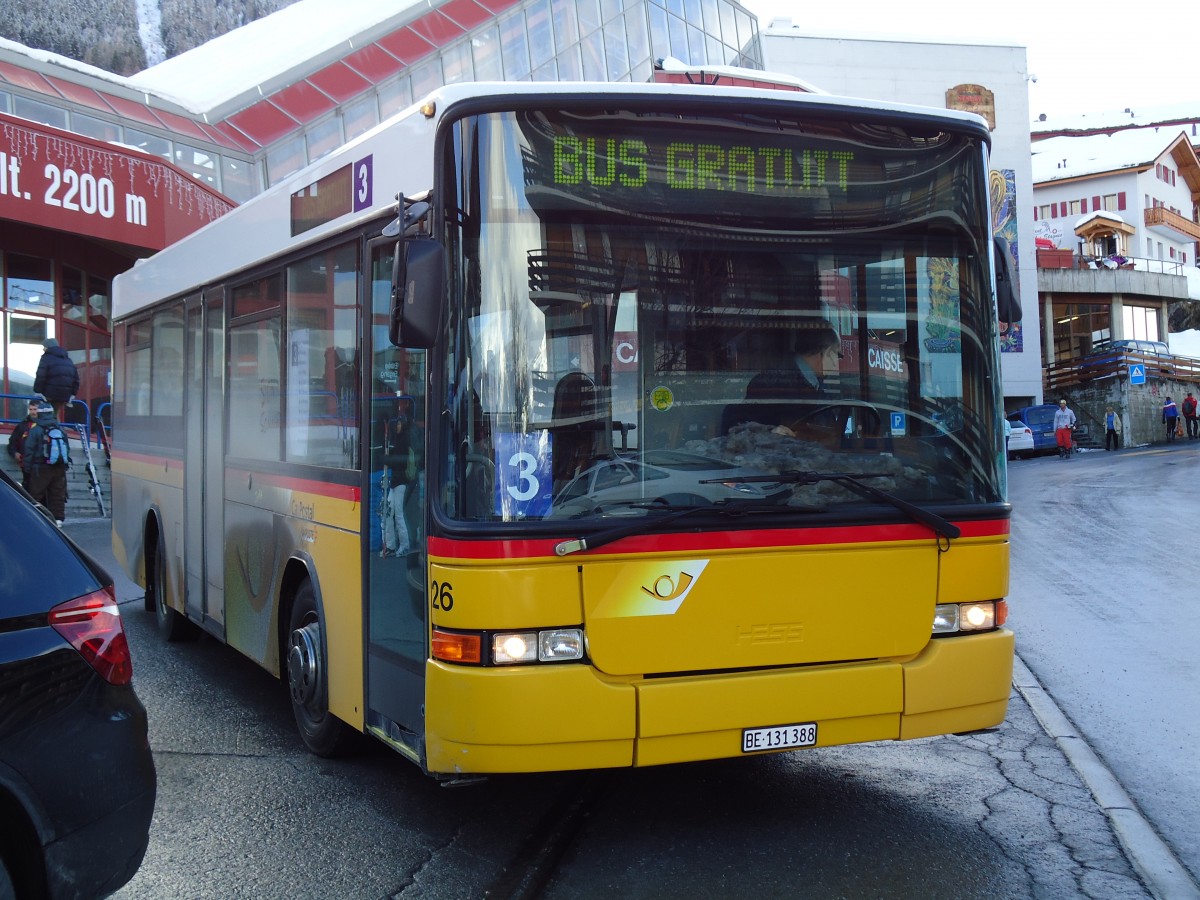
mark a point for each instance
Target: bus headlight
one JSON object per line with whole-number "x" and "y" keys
{"x": 516, "y": 647}
{"x": 552, "y": 645}
{"x": 560, "y": 644}
{"x": 981, "y": 615}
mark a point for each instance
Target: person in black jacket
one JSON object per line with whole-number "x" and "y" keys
{"x": 57, "y": 378}
{"x": 16, "y": 440}
{"x": 46, "y": 481}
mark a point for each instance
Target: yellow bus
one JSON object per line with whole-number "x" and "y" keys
{"x": 569, "y": 426}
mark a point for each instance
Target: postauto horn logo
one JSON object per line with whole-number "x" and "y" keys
{"x": 649, "y": 589}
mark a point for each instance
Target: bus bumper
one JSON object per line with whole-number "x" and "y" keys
{"x": 553, "y": 718}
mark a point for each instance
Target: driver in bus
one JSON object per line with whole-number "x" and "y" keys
{"x": 792, "y": 397}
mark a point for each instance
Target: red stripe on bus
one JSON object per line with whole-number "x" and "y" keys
{"x": 349, "y": 492}
{"x": 707, "y": 541}
{"x": 146, "y": 459}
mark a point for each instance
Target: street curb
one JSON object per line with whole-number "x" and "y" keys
{"x": 1161, "y": 871}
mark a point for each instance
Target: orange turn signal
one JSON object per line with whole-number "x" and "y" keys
{"x": 452, "y": 646}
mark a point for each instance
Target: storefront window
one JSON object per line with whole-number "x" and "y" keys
{"x": 360, "y": 116}
{"x": 23, "y": 349}
{"x": 485, "y": 52}
{"x": 394, "y": 96}
{"x": 514, "y": 46}
{"x": 37, "y": 111}
{"x": 285, "y": 159}
{"x": 237, "y": 179}
{"x": 200, "y": 164}
{"x": 90, "y": 126}
{"x": 1078, "y": 327}
{"x": 29, "y": 284}
{"x": 99, "y": 302}
{"x": 150, "y": 143}
{"x": 72, "y": 295}
{"x": 324, "y": 138}
{"x": 1140, "y": 323}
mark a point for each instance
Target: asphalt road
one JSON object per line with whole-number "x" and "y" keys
{"x": 244, "y": 811}
{"x": 1105, "y": 577}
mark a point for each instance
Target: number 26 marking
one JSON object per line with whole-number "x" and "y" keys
{"x": 441, "y": 595}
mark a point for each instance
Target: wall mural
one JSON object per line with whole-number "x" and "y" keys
{"x": 1002, "y": 187}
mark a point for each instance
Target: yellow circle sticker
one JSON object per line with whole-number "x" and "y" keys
{"x": 661, "y": 398}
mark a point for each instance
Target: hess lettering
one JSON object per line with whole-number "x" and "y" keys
{"x": 770, "y": 633}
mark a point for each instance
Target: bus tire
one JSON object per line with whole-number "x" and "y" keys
{"x": 308, "y": 678}
{"x": 172, "y": 625}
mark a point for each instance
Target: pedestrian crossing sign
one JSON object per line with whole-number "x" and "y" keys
{"x": 1137, "y": 373}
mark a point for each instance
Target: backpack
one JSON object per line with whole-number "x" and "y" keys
{"x": 55, "y": 450}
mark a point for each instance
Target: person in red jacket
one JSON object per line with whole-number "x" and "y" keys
{"x": 1189, "y": 416}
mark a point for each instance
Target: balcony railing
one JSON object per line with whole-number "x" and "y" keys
{"x": 1067, "y": 259}
{"x": 1161, "y": 217}
{"x": 1069, "y": 373}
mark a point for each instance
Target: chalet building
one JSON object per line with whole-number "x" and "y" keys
{"x": 1115, "y": 221}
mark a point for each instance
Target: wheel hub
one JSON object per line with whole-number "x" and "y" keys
{"x": 304, "y": 663}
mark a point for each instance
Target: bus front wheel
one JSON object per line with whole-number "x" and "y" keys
{"x": 172, "y": 625}
{"x": 308, "y": 679}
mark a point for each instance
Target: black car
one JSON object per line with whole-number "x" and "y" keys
{"x": 77, "y": 780}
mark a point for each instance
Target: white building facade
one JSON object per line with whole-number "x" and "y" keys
{"x": 986, "y": 78}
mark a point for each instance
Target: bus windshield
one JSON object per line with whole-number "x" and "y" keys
{"x": 653, "y": 309}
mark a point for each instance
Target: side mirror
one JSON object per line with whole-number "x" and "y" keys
{"x": 418, "y": 280}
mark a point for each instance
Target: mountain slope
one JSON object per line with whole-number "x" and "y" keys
{"x": 125, "y": 36}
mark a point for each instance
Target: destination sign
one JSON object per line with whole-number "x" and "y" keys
{"x": 634, "y": 163}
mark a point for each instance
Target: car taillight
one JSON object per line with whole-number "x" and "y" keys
{"x": 92, "y": 625}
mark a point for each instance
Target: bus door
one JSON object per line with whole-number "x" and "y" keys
{"x": 213, "y": 443}
{"x": 203, "y": 447}
{"x": 193, "y": 460}
{"x": 394, "y": 532}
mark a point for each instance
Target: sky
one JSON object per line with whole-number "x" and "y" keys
{"x": 1069, "y": 47}
{"x": 1146, "y": 49}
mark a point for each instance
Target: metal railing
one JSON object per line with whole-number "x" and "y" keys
{"x": 1069, "y": 373}
{"x": 11, "y": 404}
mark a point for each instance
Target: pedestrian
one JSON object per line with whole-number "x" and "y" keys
{"x": 46, "y": 473}
{"x": 400, "y": 475}
{"x": 1189, "y": 416}
{"x": 1112, "y": 429}
{"x": 1170, "y": 417}
{"x": 1064, "y": 424}
{"x": 57, "y": 378}
{"x": 16, "y": 440}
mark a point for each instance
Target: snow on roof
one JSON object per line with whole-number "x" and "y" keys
{"x": 54, "y": 59}
{"x": 1098, "y": 214}
{"x": 208, "y": 76}
{"x": 786, "y": 26}
{"x": 1141, "y": 116}
{"x": 1069, "y": 157}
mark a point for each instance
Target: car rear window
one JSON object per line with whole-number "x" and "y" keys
{"x": 38, "y": 566}
{"x": 1040, "y": 415}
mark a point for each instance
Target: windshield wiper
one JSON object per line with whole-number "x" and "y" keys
{"x": 853, "y": 481}
{"x": 671, "y": 512}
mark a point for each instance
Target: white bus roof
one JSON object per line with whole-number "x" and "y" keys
{"x": 260, "y": 228}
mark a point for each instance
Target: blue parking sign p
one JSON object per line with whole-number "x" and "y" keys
{"x": 899, "y": 423}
